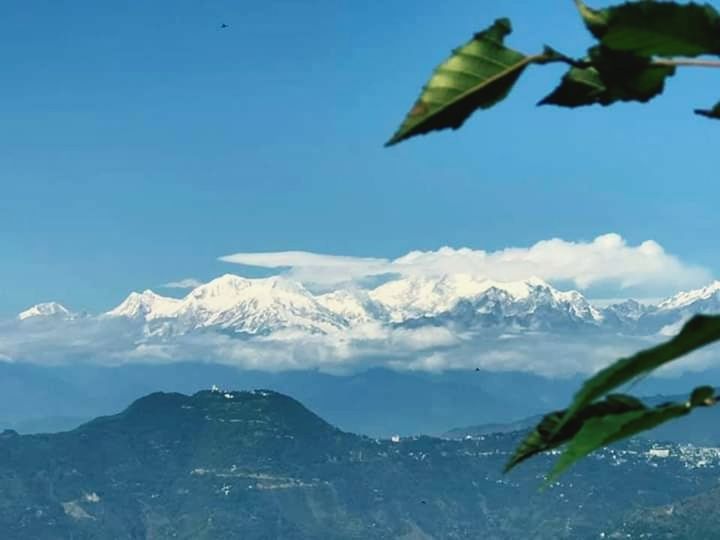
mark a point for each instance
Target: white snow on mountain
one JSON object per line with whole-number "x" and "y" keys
{"x": 629, "y": 310}
{"x": 146, "y": 305}
{"x": 256, "y": 306}
{"x": 262, "y": 306}
{"x": 687, "y": 298}
{"x": 234, "y": 303}
{"x": 450, "y": 321}
{"x": 46, "y": 309}
{"x": 354, "y": 306}
{"x": 238, "y": 305}
{"x": 577, "y": 304}
{"x": 415, "y": 297}
{"x": 428, "y": 297}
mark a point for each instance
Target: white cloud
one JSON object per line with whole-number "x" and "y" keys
{"x": 607, "y": 261}
{"x": 313, "y": 268}
{"x": 427, "y": 348}
{"x": 187, "y": 283}
{"x": 49, "y": 341}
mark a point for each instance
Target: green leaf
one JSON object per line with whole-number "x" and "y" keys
{"x": 710, "y": 113}
{"x": 697, "y": 332}
{"x": 595, "y": 20}
{"x": 610, "y": 76}
{"x": 655, "y": 28}
{"x": 477, "y": 76}
{"x": 547, "y": 436}
{"x": 601, "y": 423}
{"x": 600, "y": 431}
{"x": 579, "y": 86}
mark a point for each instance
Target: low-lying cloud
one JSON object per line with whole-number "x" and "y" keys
{"x": 428, "y": 348}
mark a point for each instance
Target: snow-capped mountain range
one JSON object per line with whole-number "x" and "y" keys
{"x": 248, "y": 307}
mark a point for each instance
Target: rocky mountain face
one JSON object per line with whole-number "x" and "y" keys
{"x": 256, "y": 307}
{"x": 223, "y": 464}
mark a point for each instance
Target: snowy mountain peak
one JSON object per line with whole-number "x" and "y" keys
{"x": 46, "y": 309}
{"x": 225, "y": 282}
{"x": 227, "y": 290}
{"x": 256, "y": 306}
{"x": 425, "y": 296}
{"x": 145, "y": 305}
{"x": 230, "y": 284}
{"x": 279, "y": 306}
{"x": 685, "y": 299}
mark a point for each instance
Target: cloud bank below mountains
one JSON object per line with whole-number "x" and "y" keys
{"x": 427, "y": 349}
{"x": 432, "y": 349}
{"x": 607, "y": 261}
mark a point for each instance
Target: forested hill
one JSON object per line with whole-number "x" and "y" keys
{"x": 254, "y": 465}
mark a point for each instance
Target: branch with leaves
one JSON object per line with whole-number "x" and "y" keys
{"x": 639, "y": 45}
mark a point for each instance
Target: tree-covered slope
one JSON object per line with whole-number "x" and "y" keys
{"x": 258, "y": 464}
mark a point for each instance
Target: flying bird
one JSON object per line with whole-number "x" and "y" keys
{"x": 223, "y": 25}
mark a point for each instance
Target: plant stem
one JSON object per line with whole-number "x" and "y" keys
{"x": 686, "y": 62}
{"x": 549, "y": 58}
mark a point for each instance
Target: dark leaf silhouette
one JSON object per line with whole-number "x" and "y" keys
{"x": 710, "y": 113}
{"x": 610, "y": 76}
{"x": 655, "y": 28}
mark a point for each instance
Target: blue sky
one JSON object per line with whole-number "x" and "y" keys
{"x": 139, "y": 143}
